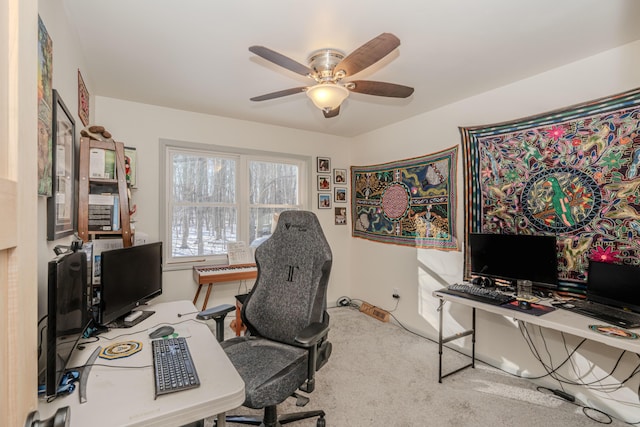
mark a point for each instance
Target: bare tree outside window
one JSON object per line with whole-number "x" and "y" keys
{"x": 217, "y": 198}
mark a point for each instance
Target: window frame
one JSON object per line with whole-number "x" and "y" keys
{"x": 244, "y": 156}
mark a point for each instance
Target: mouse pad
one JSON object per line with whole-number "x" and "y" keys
{"x": 121, "y": 349}
{"x": 614, "y": 331}
{"x": 535, "y": 310}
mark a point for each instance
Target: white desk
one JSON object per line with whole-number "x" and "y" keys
{"x": 559, "y": 320}
{"x": 125, "y": 397}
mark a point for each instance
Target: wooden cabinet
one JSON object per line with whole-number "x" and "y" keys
{"x": 116, "y": 186}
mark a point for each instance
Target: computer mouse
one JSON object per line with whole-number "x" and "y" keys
{"x": 524, "y": 305}
{"x": 162, "y": 331}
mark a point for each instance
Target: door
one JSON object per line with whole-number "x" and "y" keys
{"x": 18, "y": 210}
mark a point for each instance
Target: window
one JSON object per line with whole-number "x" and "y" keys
{"x": 215, "y": 195}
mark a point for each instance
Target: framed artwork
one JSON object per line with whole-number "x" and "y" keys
{"x": 131, "y": 166}
{"x": 61, "y": 209}
{"x": 339, "y": 176}
{"x": 341, "y": 216}
{"x": 324, "y": 164}
{"x": 83, "y": 100}
{"x": 340, "y": 195}
{"x": 45, "y": 106}
{"x": 324, "y": 201}
{"x": 324, "y": 182}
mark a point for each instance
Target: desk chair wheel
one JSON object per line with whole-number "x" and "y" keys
{"x": 321, "y": 422}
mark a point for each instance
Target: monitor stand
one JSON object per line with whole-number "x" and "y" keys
{"x": 123, "y": 322}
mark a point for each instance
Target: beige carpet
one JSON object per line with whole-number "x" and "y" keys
{"x": 379, "y": 374}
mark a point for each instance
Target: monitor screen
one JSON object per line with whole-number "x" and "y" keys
{"x": 512, "y": 257}
{"x": 67, "y": 313}
{"x": 129, "y": 277}
{"x": 614, "y": 284}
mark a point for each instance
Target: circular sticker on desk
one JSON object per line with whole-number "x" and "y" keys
{"x": 614, "y": 331}
{"x": 121, "y": 349}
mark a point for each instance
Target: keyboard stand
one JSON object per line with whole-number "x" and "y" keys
{"x": 443, "y": 340}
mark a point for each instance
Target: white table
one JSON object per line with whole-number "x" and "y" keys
{"x": 559, "y": 320}
{"x": 125, "y": 396}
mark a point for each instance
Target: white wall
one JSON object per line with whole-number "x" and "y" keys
{"x": 416, "y": 273}
{"x": 142, "y": 126}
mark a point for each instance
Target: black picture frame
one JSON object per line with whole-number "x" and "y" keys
{"x": 61, "y": 206}
{"x": 323, "y": 165}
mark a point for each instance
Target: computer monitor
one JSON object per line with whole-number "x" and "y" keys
{"x": 513, "y": 257}
{"x": 67, "y": 314}
{"x": 129, "y": 277}
{"x": 617, "y": 285}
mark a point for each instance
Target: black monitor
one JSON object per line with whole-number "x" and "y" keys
{"x": 67, "y": 314}
{"x": 129, "y": 277}
{"x": 614, "y": 284}
{"x": 513, "y": 257}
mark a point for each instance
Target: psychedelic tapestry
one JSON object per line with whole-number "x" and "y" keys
{"x": 572, "y": 173}
{"x": 408, "y": 202}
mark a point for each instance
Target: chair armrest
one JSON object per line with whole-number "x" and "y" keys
{"x": 311, "y": 335}
{"x": 215, "y": 312}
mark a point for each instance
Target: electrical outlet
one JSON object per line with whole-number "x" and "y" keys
{"x": 396, "y": 293}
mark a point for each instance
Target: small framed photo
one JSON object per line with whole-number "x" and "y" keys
{"x": 324, "y": 164}
{"x": 324, "y": 183}
{"x": 339, "y": 176}
{"x": 131, "y": 166}
{"x": 341, "y": 216}
{"x": 340, "y": 195}
{"x": 324, "y": 201}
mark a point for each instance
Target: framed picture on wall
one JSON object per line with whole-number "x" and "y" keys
{"x": 324, "y": 201}
{"x": 61, "y": 209}
{"x": 339, "y": 176}
{"x": 324, "y": 183}
{"x": 83, "y": 100}
{"x": 341, "y": 216}
{"x": 131, "y": 166}
{"x": 340, "y": 195}
{"x": 324, "y": 164}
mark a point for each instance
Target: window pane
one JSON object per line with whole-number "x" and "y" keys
{"x": 273, "y": 183}
{"x": 201, "y": 179}
{"x": 202, "y": 231}
{"x": 261, "y": 223}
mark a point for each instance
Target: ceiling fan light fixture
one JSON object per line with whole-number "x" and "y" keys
{"x": 327, "y": 96}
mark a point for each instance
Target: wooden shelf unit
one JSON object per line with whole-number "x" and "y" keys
{"x": 85, "y": 182}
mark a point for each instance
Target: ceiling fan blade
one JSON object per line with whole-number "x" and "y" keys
{"x": 391, "y": 90}
{"x": 368, "y": 54}
{"x": 281, "y": 60}
{"x": 279, "y": 94}
{"x": 332, "y": 113}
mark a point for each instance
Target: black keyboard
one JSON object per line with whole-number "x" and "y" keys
{"x": 477, "y": 293}
{"x": 173, "y": 366}
{"x": 608, "y": 314}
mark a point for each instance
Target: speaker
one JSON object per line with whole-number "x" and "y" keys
{"x": 483, "y": 282}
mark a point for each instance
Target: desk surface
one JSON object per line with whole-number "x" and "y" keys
{"x": 125, "y": 396}
{"x": 560, "y": 320}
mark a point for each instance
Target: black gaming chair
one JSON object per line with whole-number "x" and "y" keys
{"x": 286, "y": 319}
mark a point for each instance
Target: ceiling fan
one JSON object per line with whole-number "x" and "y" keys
{"x": 328, "y": 67}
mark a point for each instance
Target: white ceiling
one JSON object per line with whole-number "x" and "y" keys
{"x": 193, "y": 54}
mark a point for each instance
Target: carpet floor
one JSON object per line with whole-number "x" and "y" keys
{"x": 380, "y": 374}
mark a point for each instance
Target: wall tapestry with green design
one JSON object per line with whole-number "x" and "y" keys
{"x": 573, "y": 173}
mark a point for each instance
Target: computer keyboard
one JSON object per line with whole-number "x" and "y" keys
{"x": 173, "y": 367}
{"x": 604, "y": 312}
{"x": 477, "y": 293}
